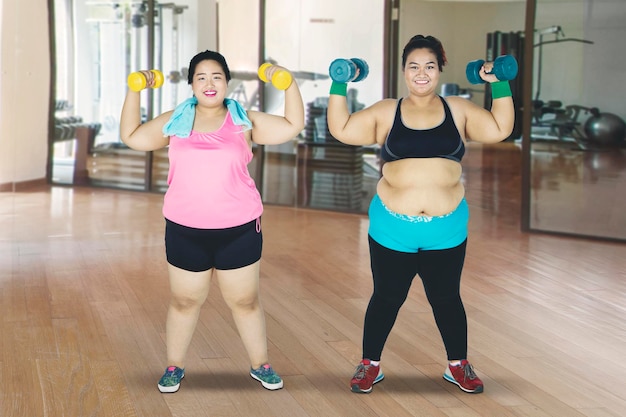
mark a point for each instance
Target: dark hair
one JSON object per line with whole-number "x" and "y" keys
{"x": 428, "y": 42}
{"x": 203, "y": 56}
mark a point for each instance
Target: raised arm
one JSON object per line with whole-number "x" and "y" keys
{"x": 358, "y": 128}
{"x": 270, "y": 129}
{"x": 496, "y": 125}
{"x": 142, "y": 137}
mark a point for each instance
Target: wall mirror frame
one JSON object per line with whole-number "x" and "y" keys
{"x": 97, "y": 43}
{"x": 593, "y": 208}
{"x": 574, "y": 145}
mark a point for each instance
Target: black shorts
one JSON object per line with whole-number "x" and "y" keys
{"x": 202, "y": 249}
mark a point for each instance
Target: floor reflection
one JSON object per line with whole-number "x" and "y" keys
{"x": 577, "y": 191}
{"x": 322, "y": 176}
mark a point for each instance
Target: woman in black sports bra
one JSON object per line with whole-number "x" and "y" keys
{"x": 418, "y": 218}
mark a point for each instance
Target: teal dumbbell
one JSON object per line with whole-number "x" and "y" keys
{"x": 345, "y": 70}
{"x": 504, "y": 68}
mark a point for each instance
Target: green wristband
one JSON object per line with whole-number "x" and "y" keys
{"x": 500, "y": 89}
{"x": 339, "y": 89}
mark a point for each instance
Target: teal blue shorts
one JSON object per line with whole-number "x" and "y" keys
{"x": 412, "y": 234}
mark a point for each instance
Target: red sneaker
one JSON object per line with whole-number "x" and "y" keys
{"x": 463, "y": 375}
{"x": 365, "y": 377}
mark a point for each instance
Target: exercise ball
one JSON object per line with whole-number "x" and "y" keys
{"x": 605, "y": 129}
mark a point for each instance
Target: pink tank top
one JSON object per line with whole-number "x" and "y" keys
{"x": 209, "y": 183}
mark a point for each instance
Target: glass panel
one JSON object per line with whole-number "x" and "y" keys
{"x": 117, "y": 45}
{"x": 578, "y": 133}
{"x": 243, "y": 61}
{"x": 315, "y": 170}
{"x": 98, "y": 44}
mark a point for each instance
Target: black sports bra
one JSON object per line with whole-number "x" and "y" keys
{"x": 443, "y": 141}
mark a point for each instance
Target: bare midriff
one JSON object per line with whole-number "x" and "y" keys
{"x": 421, "y": 186}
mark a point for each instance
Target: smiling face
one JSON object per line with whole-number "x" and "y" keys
{"x": 209, "y": 83}
{"x": 421, "y": 71}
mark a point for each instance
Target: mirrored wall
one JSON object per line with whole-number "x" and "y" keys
{"x": 577, "y": 146}
{"x": 325, "y": 173}
{"x": 98, "y": 43}
{"x": 313, "y": 170}
{"x": 574, "y": 147}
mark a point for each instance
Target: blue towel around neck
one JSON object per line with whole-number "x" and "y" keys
{"x": 181, "y": 121}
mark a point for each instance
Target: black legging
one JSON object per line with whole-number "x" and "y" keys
{"x": 393, "y": 273}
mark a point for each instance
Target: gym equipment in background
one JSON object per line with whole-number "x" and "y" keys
{"x": 604, "y": 129}
{"x": 601, "y": 130}
{"x": 452, "y": 89}
{"x": 556, "y": 31}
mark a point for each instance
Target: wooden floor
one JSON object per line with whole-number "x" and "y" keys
{"x": 84, "y": 293}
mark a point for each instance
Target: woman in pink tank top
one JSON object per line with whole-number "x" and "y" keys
{"x": 212, "y": 207}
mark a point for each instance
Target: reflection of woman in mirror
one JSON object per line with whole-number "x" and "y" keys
{"x": 419, "y": 216}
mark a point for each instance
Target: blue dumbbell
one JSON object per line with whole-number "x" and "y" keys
{"x": 504, "y": 68}
{"x": 345, "y": 70}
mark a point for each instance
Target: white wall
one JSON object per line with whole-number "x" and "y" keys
{"x": 329, "y": 29}
{"x": 306, "y": 35}
{"x": 24, "y": 90}
{"x": 206, "y": 25}
{"x": 239, "y": 34}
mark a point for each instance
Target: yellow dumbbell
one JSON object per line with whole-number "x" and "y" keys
{"x": 137, "y": 80}
{"x": 281, "y": 79}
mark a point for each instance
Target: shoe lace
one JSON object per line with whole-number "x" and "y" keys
{"x": 468, "y": 372}
{"x": 267, "y": 373}
{"x": 361, "y": 371}
{"x": 171, "y": 377}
